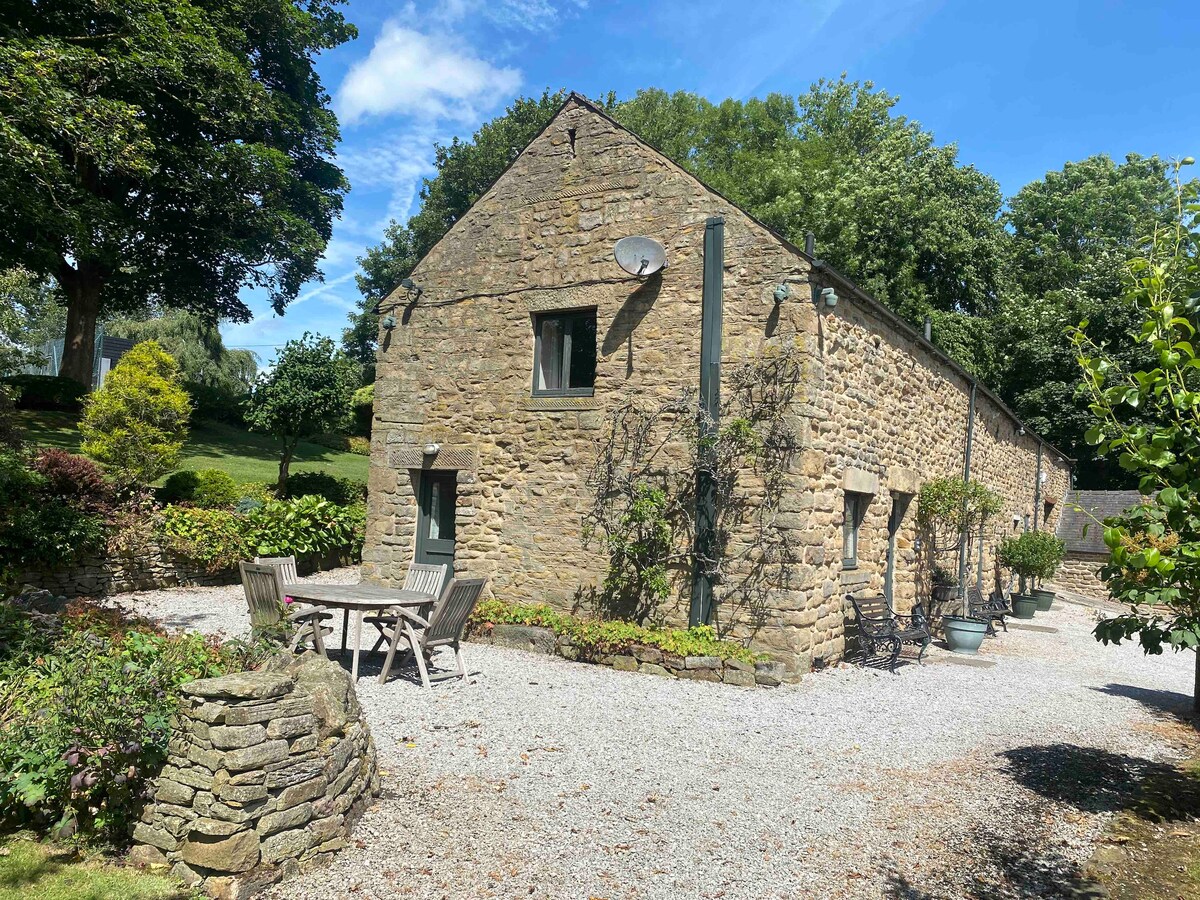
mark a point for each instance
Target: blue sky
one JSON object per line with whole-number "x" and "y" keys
{"x": 1020, "y": 86}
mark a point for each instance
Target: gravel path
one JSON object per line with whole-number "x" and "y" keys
{"x": 547, "y": 779}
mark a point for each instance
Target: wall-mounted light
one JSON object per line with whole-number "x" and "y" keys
{"x": 829, "y": 295}
{"x": 782, "y": 292}
{"x": 431, "y": 449}
{"x": 1021, "y": 431}
{"x": 1016, "y": 521}
{"x": 388, "y": 322}
{"x": 412, "y": 287}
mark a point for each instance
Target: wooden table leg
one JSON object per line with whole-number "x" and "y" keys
{"x": 358, "y": 619}
{"x": 345, "y": 628}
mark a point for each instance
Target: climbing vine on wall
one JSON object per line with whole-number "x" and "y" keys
{"x": 643, "y": 486}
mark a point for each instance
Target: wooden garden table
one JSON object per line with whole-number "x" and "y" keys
{"x": 358, "y": 599}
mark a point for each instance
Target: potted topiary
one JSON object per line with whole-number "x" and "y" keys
{"x": 949, "y": 511}
{"x": 1034, "y": 554}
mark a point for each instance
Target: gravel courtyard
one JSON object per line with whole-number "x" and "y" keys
{"x": 547, "y": 779}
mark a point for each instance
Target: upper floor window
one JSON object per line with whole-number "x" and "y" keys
{"x": 564, "y": 355}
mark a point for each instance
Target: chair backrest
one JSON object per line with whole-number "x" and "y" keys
{"x": 285, "y": 564}
{"x": 974, "y": 597}
{"x": 452, "y": 611}
{"x": 425, "y": 578}
{"x": 871, "y": 607}
{"x": 264, "y": 593}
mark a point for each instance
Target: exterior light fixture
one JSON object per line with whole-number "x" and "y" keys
{"x": 782, "y": 292}
{"x": 1021, "y": 431}
{"x": 412, "y": 287}
{"x": 388, "y": 322}
{"x": 432, "y": 449}
{"x": 829, "y": 295}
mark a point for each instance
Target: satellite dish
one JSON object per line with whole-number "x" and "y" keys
{"x": 640, "y": 255}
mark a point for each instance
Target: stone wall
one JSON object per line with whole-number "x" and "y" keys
{"x": 1080, "y": 574}
{"x": 98, "y": 576}
{"x": 267, "y": 774}
{"x": 877, "y": 409}
{"x": 646, "y": 660}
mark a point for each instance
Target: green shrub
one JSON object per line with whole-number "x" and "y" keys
{"x": 88, "y": 697}
{"x": 596, "y": 638}
{"x": 40, "y": 530}
{"x": 136, "y": 423}
{"x": 1034, "y": 554}
{"x": 306, "y": 526}
{"x": 47, "y": 392}
{"x": 180, "y": 487}
{"x": 216, "y": 403}
{"x": 215, "y": 489}
{"x": 342, "y": 491}
{"x": 346, "y": 443}
{"x": 215, "y": 539}
{"x": 362, "y": 406}
{"x": 256, "y": 490}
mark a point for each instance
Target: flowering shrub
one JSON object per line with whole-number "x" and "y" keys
{"x": 86, "y": 699}
{"x": 213, "y": 538}
{"x": 595, "y": 638}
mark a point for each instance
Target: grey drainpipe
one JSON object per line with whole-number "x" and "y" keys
{"x": 710, "y": 402}
{"x": 1037, "y": 488}
{"x": 962, "y": 538}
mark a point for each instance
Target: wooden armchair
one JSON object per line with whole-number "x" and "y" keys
{"x": 444, "y": 628}
{"x": 263, "y": 583}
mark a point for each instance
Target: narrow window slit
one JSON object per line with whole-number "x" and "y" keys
{"x": 571, "y": 138}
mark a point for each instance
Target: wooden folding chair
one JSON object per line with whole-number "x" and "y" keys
{"x": 263, "y": 583}
{"x": 420, "y": 577}
{"x": 444, "y": 628}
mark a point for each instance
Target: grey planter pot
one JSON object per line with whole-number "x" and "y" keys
{"x": 964, "y": 635}
{"x": 1045, "y": 599}
{"x": 1024, "y": 606}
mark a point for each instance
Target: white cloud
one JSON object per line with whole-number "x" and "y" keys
{"x": 426, "y": 75}
{"x": 530, "y": 15}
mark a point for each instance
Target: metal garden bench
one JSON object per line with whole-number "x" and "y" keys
{"x": 994, "y": 609}
{"x": 883, "y": 632}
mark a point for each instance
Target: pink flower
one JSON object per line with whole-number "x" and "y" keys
{"x": 288, "y": 600}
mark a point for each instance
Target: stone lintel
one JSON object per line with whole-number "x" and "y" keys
{"x": 415, "y": 457}
{"x": 903, "y": 480}
{"x": 860, "y": 481}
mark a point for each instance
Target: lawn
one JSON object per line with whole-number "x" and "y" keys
{"x": 210, "y": 445}
{"x": 29, "y": 869}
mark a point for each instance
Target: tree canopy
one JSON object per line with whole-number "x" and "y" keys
{"x": 166, "y": 150}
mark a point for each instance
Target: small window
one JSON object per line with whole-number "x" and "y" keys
{"x": 564, "y": 356}
{"x": 856, "y": 509}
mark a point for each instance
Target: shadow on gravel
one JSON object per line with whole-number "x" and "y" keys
{"x": 1013, "y": 867}
{"x": 1094, "y": 781}
{"x": 1172, "y": 702}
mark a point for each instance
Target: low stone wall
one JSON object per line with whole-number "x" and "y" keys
{"x": 1079, "y": 573}
{"x": 649, "y": 660}
{"x": 99, "y": 576}
{"x": 267, "y": 774}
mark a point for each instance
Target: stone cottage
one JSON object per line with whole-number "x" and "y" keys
{"x": 524, "y": 376}
{"x": 1083, "y": 539}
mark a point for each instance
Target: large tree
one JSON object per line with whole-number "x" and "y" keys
{"x": 166, "y": 150}
{"x": 1073, "y": 233}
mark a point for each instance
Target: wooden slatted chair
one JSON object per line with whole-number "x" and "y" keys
{"x": 286, "y": 564}
{"x": 263, "y": 584}
{"x": 420, "y": 577}
{"x": 444, "y": 628}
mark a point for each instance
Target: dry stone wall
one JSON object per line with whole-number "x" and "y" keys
{"x": 876, "y": 409}
{"x": 96, "y": 576}
{"x": 267, "y": 774}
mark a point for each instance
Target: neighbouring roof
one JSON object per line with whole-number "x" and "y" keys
{"x": 1082, "y": 508}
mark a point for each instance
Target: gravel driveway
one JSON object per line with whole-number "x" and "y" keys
{"x": 547, "y": 779}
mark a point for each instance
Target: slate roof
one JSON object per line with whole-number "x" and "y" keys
{"x": 1101, "y": 505}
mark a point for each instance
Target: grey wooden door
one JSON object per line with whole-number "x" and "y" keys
{"x": 435, "y": 519}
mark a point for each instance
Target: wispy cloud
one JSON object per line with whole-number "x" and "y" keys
{"x": 433, "y": 76}
{"x": 529, "y": 15}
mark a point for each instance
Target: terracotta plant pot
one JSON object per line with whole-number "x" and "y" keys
{"x": 1044, "y": 599}
{"x": 964, "y": 635}
{"x": 1024, "y": 606}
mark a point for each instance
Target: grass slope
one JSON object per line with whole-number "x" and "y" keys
{"x": 210, "y": 445}
{"x": 29, "y": 869}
